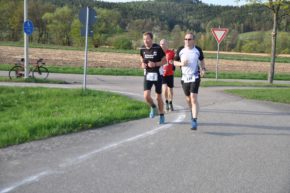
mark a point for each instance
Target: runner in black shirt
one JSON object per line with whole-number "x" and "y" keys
{"x": 152, "y": 58}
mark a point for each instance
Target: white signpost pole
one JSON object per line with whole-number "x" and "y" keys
{"x": 86, "y": 51}
{"x": 26, "y": 44}
{"x": 217, "y": 63}
{"x": 88, "y": 17}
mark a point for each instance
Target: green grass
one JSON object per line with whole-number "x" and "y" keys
{"x": 139, "y": 72}
{"x": 268, "y": 92}
{"x": 280, "y": 95}
{"x": 245, "y": 57}
{"x": 90, "y": 70}
{"x": 218, "y": 83}
{"x": 247, "y": 75}
{"x": 99, "y": 71}
{"x": 35, "y": 113}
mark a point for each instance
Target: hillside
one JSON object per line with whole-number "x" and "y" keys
{"x": 121, "y": 25}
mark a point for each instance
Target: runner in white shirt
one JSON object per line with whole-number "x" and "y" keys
{"x": 190, "y": 58}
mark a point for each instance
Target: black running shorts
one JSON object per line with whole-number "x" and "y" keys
{"x": 191, "y": 87}
{"x": 168, "y": 80}
{"x": 158, "y": 84}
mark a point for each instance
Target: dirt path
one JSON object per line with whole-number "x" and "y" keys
{"x": 10, "y": 55}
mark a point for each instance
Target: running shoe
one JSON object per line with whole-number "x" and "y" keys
{"x": 193, "y": 124}
{"x": 161, "y": 119}
{"x": 167, "y": 107}
{"x": 171, "y": 107}
{"x": 152, "y": 112}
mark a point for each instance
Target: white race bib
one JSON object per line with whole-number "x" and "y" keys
{"x": 152, "y": 76}
{"x": 188, "y": 78}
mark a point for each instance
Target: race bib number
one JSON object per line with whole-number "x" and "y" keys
{"x": 188, "y": 78}
{"x": 152, "y": 76}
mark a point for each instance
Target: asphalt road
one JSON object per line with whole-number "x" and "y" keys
{"x": 241, "y": 146}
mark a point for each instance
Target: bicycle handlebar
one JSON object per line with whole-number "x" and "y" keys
{"x": 38, "y": 61}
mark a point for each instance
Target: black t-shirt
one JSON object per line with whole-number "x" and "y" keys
{"x": 153, "y": 54}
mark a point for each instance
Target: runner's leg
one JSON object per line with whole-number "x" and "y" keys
{"x": 165, "y": 94}
{"x": 148, "y": 98}
{"x": 170, "y": 86}
{"x": 158, "y": 90}
{"x": 194, "y": 105}
{"x": 160, "y": 103}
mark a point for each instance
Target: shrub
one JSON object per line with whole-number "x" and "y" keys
{"x": 122, "y": 43}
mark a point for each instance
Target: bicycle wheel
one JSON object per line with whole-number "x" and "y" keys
{"x": 40, "y": 72}
{"x": 16, "y": 72}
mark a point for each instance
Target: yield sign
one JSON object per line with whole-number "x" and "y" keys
{"x": 219, "y": 33}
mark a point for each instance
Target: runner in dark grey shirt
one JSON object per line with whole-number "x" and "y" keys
{"x": 152, "y": 58}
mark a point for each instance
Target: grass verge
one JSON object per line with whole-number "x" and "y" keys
{"x": 35, "y": 113}
{"x": 247, "y": 57}
{"x": 210, "y": 83}
{"x": 280, "y": 95}
{"x": 140, "y": 72}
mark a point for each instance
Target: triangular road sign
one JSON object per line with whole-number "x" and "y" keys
{"x": 219, "y": 33}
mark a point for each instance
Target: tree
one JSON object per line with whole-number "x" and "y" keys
{"x": 106, "y": 26}
{"x": 177, "y": 36}
{"x": 77, "y": 39}
{"x": 279, "y": 9}
{"x": 37, "y": 9}
{"x": 11, "y": 20}
{"x": 59, "y": 25}
{"x": 122, "y": 42}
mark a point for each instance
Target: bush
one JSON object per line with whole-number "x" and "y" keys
{"x": 250, "y": 46}
{"x": 122, "y": 43}
{"x": 285, "y": 51}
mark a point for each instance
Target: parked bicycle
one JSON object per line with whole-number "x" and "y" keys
{"x": 37, "y": 70}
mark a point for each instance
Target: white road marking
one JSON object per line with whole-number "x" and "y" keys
{"x": 88, "y": 155}
{"x": 27, "y": 180}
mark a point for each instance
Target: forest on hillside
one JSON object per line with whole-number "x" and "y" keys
{"x": 120, "y": 25}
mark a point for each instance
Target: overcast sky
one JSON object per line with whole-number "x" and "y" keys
{"x": 215, "y": 2}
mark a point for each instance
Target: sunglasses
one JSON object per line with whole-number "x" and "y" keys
{"x": 188, "y": 39}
